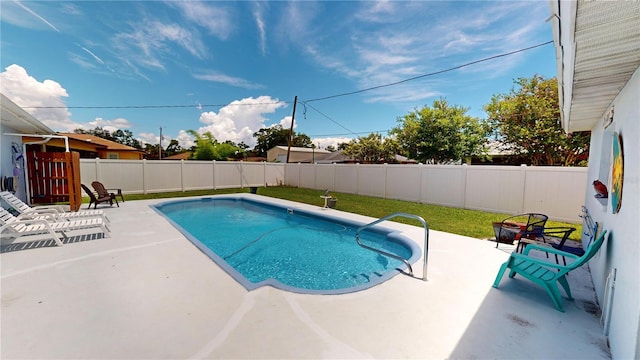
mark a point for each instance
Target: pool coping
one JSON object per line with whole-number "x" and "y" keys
{"x": 325, "y": 213}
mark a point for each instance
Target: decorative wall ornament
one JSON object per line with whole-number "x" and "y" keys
{"x": 617, "y": 173}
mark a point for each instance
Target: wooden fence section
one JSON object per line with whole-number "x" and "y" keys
{"x": 54, "y": 177}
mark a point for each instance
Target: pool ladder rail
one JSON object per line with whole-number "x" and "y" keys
{"x": 405, "y": 261}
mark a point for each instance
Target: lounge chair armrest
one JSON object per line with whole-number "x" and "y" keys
{"x": 42, "y": 211}
{"x": 550, "y": 250}
{"x": 538, "y": 261}
{"x": 31, "y": 215}
{"x": 58, "y": 208}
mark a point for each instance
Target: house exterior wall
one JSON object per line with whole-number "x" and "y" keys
{"x": 120, "y": 155}
{"x": 622, "y": 252}
{"x": 7, "y": 167}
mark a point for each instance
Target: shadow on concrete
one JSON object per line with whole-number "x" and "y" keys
{"x": 44, "y": 243}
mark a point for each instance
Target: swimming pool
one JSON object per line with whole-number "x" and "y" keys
{"x": 261, "y": 243}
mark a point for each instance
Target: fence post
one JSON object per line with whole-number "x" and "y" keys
{"x": 182, "y": 175}
{"x": 98, "y": 170}
{"x": 213, "y": 171}
{"x": 264, "y": 173}
{"x": 357, "y": 178}
{"x": 144, "y": 176}
{"x": 386, "y": 168}
{"x": 523, "y": 181}
{"x": 334, "y": 177}
{"x": 420, "y": 179}
{"x": 464, "y": 185}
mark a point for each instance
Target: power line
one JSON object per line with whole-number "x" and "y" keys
{"x": 431, "y": 74}
{"x": 154, "y": 106}
{"x": 357, "y": 133}
{"x": 326, "y": 116}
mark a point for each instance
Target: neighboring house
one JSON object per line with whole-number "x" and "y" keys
{"x": 499, "y": 155}
{"x": 297, "y": 154}
{"x": 14, "y": 122}
{"x": 598, "y": 57}
{"x": 91, "y": 147}
{"x": 182, "y": 156}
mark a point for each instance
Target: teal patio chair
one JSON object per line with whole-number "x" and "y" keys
{"x": 548, "y": 274}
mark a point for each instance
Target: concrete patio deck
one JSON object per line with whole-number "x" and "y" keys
{"x": 147, "y": 292}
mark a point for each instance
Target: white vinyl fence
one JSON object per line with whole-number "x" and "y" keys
{"x": 556, "y": 191}
{"x": 153, "y": 176}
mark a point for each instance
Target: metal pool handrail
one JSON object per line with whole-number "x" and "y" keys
{"x": 426, "y": 241}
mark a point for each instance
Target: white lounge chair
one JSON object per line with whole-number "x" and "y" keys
{"x": 16, "y": 227}
{"x": 57, "y": 210}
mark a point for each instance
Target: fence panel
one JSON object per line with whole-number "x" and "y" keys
{"x": 292, "y": 175}
{"x": 274, "y": 174}
{"x": 558, "y": 191}
{"x": 403, "y": 182}
{"x": 443, "y": 185}
{"x": 325, "y": 176}
{"x": 371, "y": 180}
{"x": 127, "y": 175}
{"x": 227, "y": 174}
{"x": 346, "y": 179}
{"x": 307, "y": 178}
{"x": 495, "y": 188}
{"x": 197, "y": 175}
{"x": 252, "y": 174}
{"x": 163, "y": 176}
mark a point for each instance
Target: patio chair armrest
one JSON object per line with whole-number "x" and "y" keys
{"x": 550, "y": 250}
{"x": 538, "y": 261}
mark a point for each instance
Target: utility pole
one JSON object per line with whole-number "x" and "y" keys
{"x": 293, "y": 116}
{"x": 160, "y": 145}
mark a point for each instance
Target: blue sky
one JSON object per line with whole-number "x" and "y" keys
{"x": 234, "y": 67}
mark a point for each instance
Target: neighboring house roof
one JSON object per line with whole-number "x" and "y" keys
{"x": 100, "y": 142}
{"x": 302, "y": 149}
{"x": 16, "y": 118}
{"x": 182, "y": 156}
{"x": 597, "y": 46}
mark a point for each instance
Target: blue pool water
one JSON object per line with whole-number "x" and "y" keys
{"x": 262, "y": 244}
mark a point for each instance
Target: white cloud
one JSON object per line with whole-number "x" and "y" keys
{"x": 322, "y": 143}
{"x": 33, "y": 96}
{"x": 148, "y": 43}
{"x": 36, "y": 15}
{"x": 184, "y": 139}
{"x": 260, "y": 23}
{"x": 216, "y": 20}
{"x": 229, "y": 80}
{"x": 148, "y": 138}
{"x": 109, "y": 125}
{"x": 240, "y": 119}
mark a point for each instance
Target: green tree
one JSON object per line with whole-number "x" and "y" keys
{"x": 372, "y": 149}
{"x": 173, "y": 148}
{"x": 441, "y": 134}
{"x": 208, "y": 148}
{"x": 124, "y": 137}
{"x": 527, "y": 122}
{"x": 203, "y": 148}
{"x": 267, "y": 138}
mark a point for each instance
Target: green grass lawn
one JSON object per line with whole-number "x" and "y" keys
{"x": 471, "y": 223}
